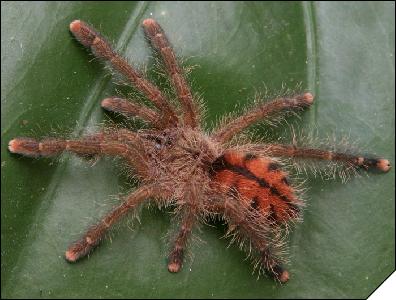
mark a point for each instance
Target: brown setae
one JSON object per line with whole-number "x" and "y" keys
{"x": 202, "y": 174}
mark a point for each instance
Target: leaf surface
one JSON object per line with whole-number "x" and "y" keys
{"x": 342, "y": 52}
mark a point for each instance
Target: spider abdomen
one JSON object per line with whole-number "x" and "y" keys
{"x": 259, "y": 181}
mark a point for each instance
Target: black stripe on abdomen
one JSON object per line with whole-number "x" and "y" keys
{"x": 221, "y": 164}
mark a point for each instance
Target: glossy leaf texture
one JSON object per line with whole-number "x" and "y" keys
{"x": 342, "y": 52}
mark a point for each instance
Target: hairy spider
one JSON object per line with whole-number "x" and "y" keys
{"x": 203, "y": 175}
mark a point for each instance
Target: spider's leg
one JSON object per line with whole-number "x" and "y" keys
{"x": 102, "y": 49}
{"x": 122, "y": 143}
{"x": 160, "y": 42}
{"x": 94, "y": 235}
{"x": 320, "y": 154}
{"x": 248, "y": 226}
{"x": 263, "y": 111}
{"x": 130, "y": 109}
{"x": 175, "y": 259}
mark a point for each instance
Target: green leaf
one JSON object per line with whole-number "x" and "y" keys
{"x": 342, "y": 52}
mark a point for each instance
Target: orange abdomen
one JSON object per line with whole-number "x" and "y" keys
{"x": 259, "y": 181}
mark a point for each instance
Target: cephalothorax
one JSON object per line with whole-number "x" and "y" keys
{"x": 203, "y": 175}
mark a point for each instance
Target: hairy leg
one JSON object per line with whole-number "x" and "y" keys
{"x": 122, "y": 143}
{"x": 226, "y": 132}
{"x": 244, "y": 223}
{"x": 130, "y": 109}
{"x": 175, "y": 259}
{"x": 160, "y": 42}
{"x": 312, "y": 153}
{"x": 94, "y": 235}
{"x": 101, "y": 48}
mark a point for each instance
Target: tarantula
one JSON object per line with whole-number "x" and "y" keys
{"x": 203, "y": 175}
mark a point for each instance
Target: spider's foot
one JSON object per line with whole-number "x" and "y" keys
{"x": 24, "y": 146}
{"x": 383, "y": 165}
{"x": 279, "y": 273}
{"x": 308, "y": 98}
{"x": 33, "y": 148}
{"x": 380, "y": 164}
{"x": 75, "y": 252}
{"x": 87, "y": 36}
{"x": 284, "y": 276}
{"x": 150, "y": 23}
{"x": 80, "y": 249}
{"x": 175, "y": 261}
{"x": 71, "y": 256}
{"x": 84, "y": 34}
{"x": 174, "y": 267}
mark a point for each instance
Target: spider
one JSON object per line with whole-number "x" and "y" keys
{"x": 203, "y": 175}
